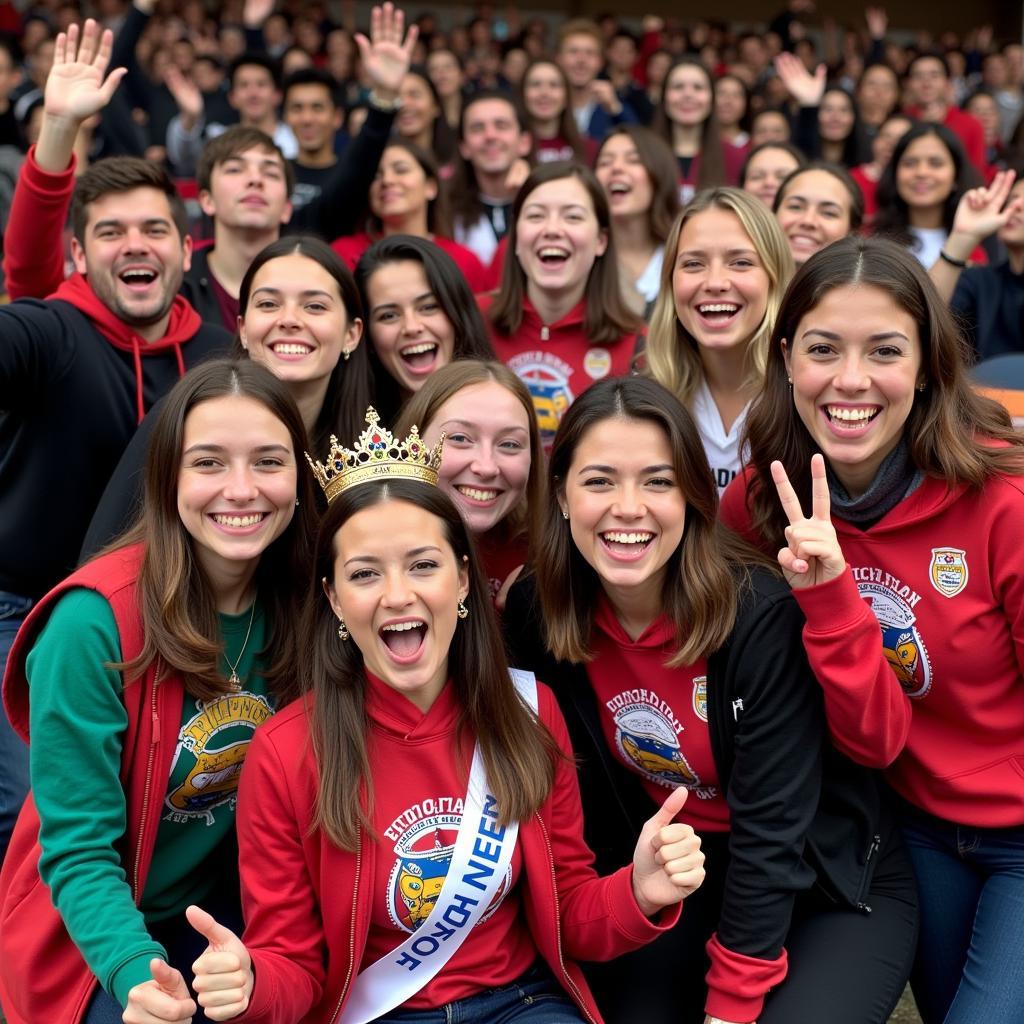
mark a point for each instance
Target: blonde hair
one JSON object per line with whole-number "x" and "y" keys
{"x": 672, "y": 354}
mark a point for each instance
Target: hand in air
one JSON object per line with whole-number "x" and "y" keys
{"x": 164, "y": 1000}
{"x": 813, "y": 554}
{"x": 76, "y": 88}
{"x": 223, "y": 974}
{"x": 984, "y": 211}
{"x": 805, "y": 88}
{"x": 668, "y": 864}
{"x": 385, "y": 56}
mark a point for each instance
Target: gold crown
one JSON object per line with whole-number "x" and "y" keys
{"x": 377, "y": 454}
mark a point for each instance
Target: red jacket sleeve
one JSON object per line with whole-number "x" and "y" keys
{"x": 34, "y": 242}
{"x": 600, "y": 918}
{"x": 284, "y": 928}
{"x": 737, "y": 983}
{"x": 868, "y": 713}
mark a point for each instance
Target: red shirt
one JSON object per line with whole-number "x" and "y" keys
{"x": 655, "y": 718}
{"x": 417, "y": 822}
{"x": 500, "y": 555}
{"x": 351, "y": 248}
{"x": 557, "y": 361}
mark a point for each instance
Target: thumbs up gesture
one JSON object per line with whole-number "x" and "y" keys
{"x": 164, "y": 999}
{"x": 223, "y": 974}
{"x": 668, "y": 863}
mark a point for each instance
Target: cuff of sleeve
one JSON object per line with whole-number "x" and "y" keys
{"x": 833, "y": 606}
{"x": 131, "y": 972}
{"x": 737, "y": 984}
{"x": 628, "y": 915}
{"x": 43, "y": 182}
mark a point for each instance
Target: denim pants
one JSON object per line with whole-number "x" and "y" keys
{"x": 533, "y": 998}
{"x": 13, "y": 752}
{"x": 970, "y": 955}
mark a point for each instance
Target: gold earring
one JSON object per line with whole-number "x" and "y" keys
{"x": 345, "y": 353}
{"x": 342, "y": 630}
{"x": 462, "y": 611}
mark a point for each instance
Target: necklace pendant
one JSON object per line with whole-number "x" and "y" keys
{"x": 233, "y": 680}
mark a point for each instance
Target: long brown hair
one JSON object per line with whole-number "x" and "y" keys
{"x": 439, "y": 218}
{"x": 519, "y": 756}
{"x": 566, "y": 122}
{"x": 706, "y": 573}
{"x": 608, "y": 317}
{"x": 672, "y": 355}
{"x": 447, "y": 382}
{"x": 711, "y": 170}
{"x": 178, "y": 610}
{"x": 660, "y": 163}
{"x": 949, "y": 422}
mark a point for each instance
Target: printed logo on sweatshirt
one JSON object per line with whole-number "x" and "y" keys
{"x": 948, "y": 571}
{"x": 597, "y": 363}
{"x": 547, "y": 379}
{"x": 210, "y": 753}
{"x": 700, "y": 697}
{"x": 646, "y": 737}
{"x": 424, "y": 836}
{"x": 893, "y": 603}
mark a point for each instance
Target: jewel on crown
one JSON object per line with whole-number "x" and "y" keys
{"x": 377, "y": 455}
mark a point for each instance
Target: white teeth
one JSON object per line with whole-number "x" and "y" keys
{"x": 139, "y": 274}
{"x": 850, "y": 415}
{"x": 238, "y": 521}
{"x": 553, "y": 252}
{"x": 291, "y": 349}
{"x": 627, "y": 538}
{"x": 619, "y": 186}
{"x": 718, "y": 307}
{"x": 476, "y": 494}
{"x": 415, "y": 350}
{"x": 399, "y": 627}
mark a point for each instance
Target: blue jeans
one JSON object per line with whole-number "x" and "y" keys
{"x": 971, "y": 946}
{"x": 13, "y": 752}
{"x": 534, "y": 998}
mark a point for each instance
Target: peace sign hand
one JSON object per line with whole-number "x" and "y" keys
{"x": 813, "y": 555}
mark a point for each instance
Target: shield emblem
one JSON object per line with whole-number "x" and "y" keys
{"x": 948, "y": 571}
{"x": 700, "y": 697}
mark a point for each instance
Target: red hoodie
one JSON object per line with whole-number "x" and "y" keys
{"x": 557, "y": 361}
{"x": 309, "y": 906}
{"x": 940, "y": 702}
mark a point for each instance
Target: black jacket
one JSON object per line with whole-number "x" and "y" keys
{"x": 67, "y": 412}
{"x": 802, "y": 816}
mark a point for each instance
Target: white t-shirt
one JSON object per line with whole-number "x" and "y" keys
{"x": 930, "y": 242}
{"x": 721, "y": 448}
{"x": 649, "y": 282}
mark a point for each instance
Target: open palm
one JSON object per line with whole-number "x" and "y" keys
{"x": 76, "y": 88}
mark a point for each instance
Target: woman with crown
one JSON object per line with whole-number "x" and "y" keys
{"x": 675, "y": 653}
{"x": 409, "y": 832}
{"x": 140, "y": 680}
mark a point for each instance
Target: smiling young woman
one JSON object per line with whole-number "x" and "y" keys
{"x": 720, "y": 291}
{"x": 675, "y": 653}
{"x": 908, "y": 571}
{"x": 559, "y": 319}
{"x": 493, "y": 461}
{"x": 181, "y": 640}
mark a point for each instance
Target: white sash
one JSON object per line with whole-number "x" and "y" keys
{"x": 479, "y": 864}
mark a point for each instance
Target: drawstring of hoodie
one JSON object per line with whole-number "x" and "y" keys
{"x": 140, "y": 405}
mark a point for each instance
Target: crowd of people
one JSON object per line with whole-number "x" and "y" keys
{"x": 496, "y": 523}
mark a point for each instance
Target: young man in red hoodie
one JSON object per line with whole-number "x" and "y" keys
{"x": 79, "y": 370}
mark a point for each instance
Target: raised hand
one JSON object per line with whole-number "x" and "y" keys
{"x": 805, "y": 88}
{"x": 164, "y": 1000}
{"x": 878, "y": 21}
{"x": 256, "y": 12}
{"x": 813, "y": 555}
{"x": 75, "y": 88}
{"x": 385, "y": 56}
{"x": 983, "y": 211}
{"x": 603, "y": 93}
{"x": 185, "y": 92}
{"x": 668, "y": 863}
{"x": 223, "y": 974}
